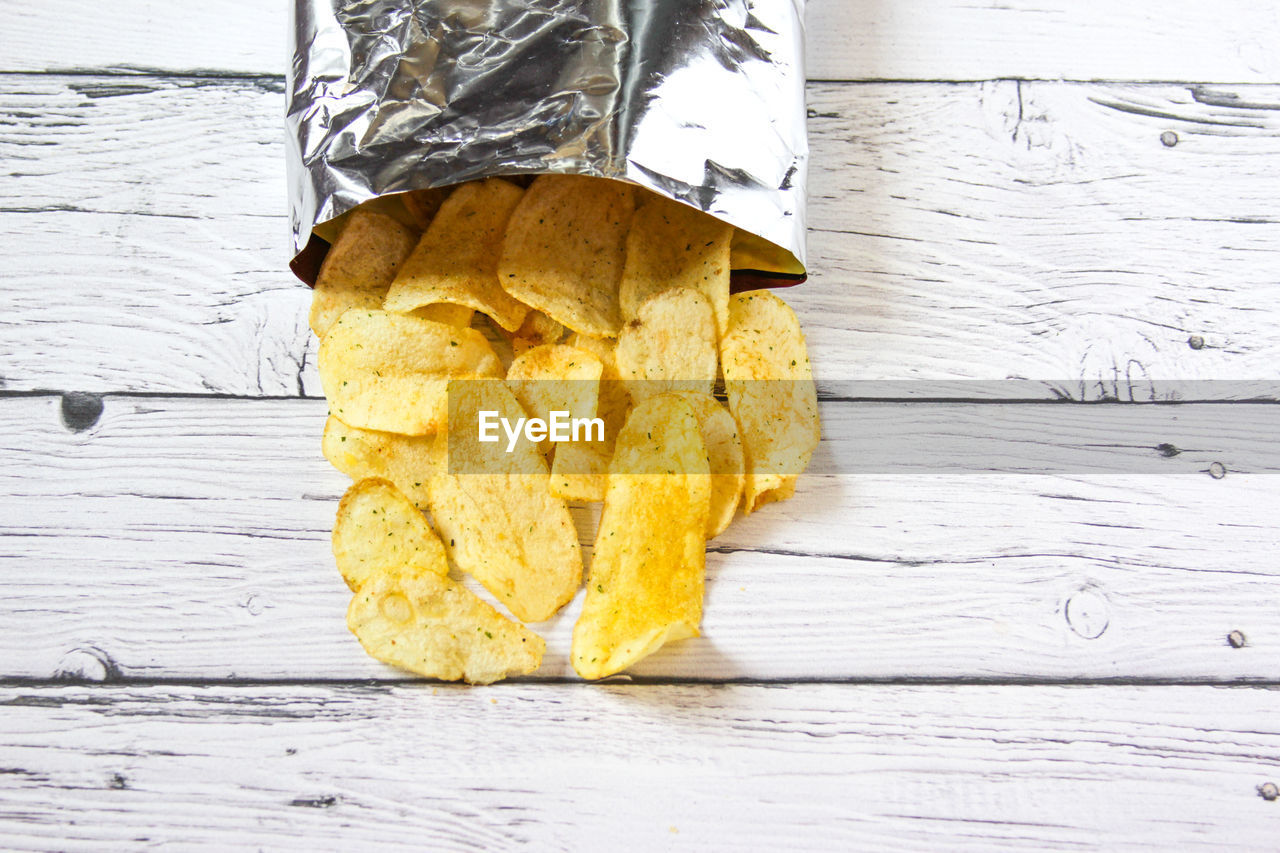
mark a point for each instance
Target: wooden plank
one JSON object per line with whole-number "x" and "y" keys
{"x": 578, "y": 767}
{"x": 159, "y": 264}
{"x": 1040, "y": 231}
{"x": 1229, "y": 41}
{"x": 1060, "y": 39}
{"x": 1054, "y": 237}
{"x": 189, "y": 538}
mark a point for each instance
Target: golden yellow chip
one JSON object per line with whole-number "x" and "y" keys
{"x": 456, "y": 261}
{"x": 440, "y": 629}
{"x": 670, "y": 346}
{"x": 495, "y": 512}
{"x": 673, "y": 245}
{"x": 443, "y": 312}
{"x": 405, "y": 460}
{"x": 423, "y": 204}
{"x": 554, "y": 377}
{"x": 770, "y": 387}
{"x": 536, "y": 330}
{"x": 378, "y": 531}
{"x": 614, "y": 399}
{"x": 579, "y": 469}
{"x": 564, "y": 250}
{"x": 646, "y": 581}
{"x": 390, "y": 372}
{"x": 725, "y": 457}
{"x": 359, "y": 267}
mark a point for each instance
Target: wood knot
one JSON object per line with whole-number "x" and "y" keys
{"x": 1268, "y": 791}
{"x": 1167, "y": 450}
{"x": 87, "y": 663}
{"x": 1088, "y": 613}
{"x": 1236, "y": 639}
{"x": 1169, "y": 138}
{"x": 1195, "y": 342}
{"x": 254, "y": 603}
{"x": 1217, "y": 470}
{"x": 80, "y": 411}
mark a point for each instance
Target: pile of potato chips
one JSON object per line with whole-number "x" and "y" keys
{"x": 608, "y": 302}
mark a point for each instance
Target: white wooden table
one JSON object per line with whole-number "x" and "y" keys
{"x": 1077, "y": 648}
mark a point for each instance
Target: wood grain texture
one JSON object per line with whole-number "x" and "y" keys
{"x": 578, "y": 767}
{"x": 1061, "y": 39}
{"x": 1231, "y": 41}
{"x": 190, "y": 538}
{"x": 1092, "y": 238}
{"x": 1034, "y": 230}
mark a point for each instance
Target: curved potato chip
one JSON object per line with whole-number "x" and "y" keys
{"x": 456, "y": 261}
{"x": 390, "y": 372}
{"x": 359, "y": 267}
{"x": 770, "y": 387}
{"x": 615, "y": 399}
{"x": 443, "y": 312}
{"x": 405, "y": 460}
{"x": 564, "y": 250}
{"x": 536, "y": 330}
{"x": 423, "y": 204}
{"x": 440, "y": 629}
{"x": 579, "y": 468}
{"x": 670, "y": 346}
{"x": 502, "y": 526}
{"x": 378, "y": 531}
{"x": 673, "y": 245}
{"x": 554, "y": 377}
{"x": 725, "y": 457}
{"x": 645, "y": 587}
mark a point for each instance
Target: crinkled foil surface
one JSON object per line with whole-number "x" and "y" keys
{"x": 700, "y": 100}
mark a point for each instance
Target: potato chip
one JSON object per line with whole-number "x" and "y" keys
{"x": 670, "y": 346}
{"x": 440, "y": 629}
{"x": 378, "y": 531}
{"x": 614, "y": 399}
{"x": 456, "y": 261}
{"x": 673, "y": 245}
{"x": 443, "y": 312}
{"x": 771, "y": 394}
{"x": 564, "y": 250}
{"x": 645, "y": 587}
{"x": 536, "y": 330}
{"x": 407, "y": 461}
{"x": 502, "y": 525}
{"x": 359, "y": 267}
{"x": 390, "y": 372}
{"x": 423, "y": 204}
{"x": 725, "y": 457}
{"x": 579, "y": 469}
{"x": 554, "y": 377}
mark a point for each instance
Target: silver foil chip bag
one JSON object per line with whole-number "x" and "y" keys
{"x": 699, "y": 100}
